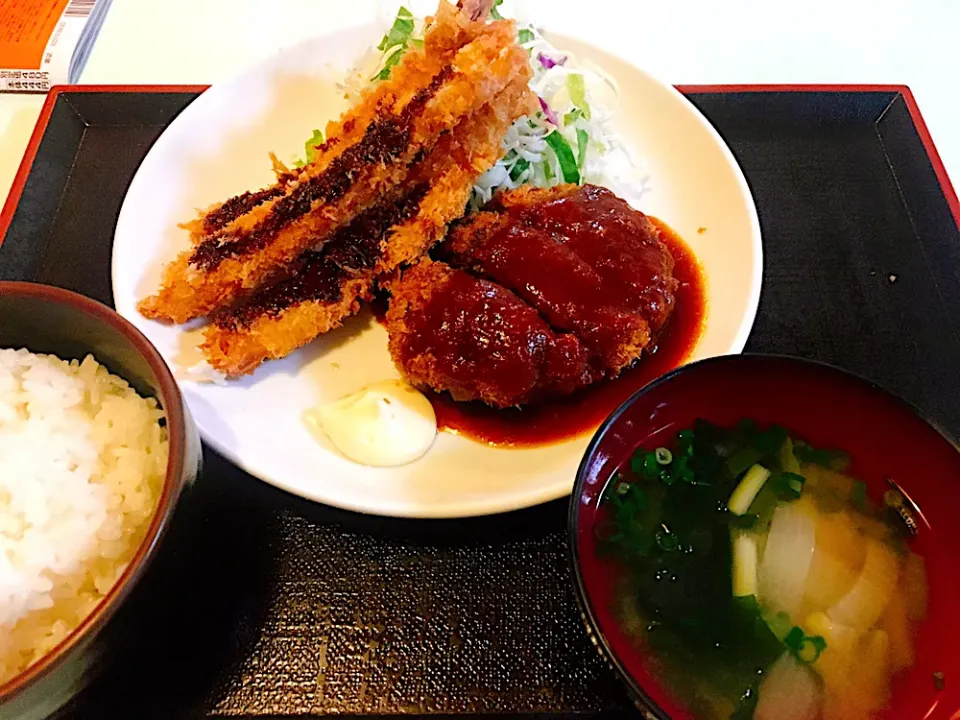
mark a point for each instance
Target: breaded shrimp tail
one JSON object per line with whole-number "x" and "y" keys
{"x": 475, "y": 9}
{"x": 449, "y": 31}
{"x": 327, "y": 286}
{"x": 344, "y": 180}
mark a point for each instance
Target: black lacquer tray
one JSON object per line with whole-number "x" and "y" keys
{"x": 290, "y": 609}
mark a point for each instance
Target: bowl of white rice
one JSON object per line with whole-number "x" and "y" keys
{"x": 96, "y": 453}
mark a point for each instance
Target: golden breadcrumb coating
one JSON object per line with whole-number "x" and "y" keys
{"x": 253, "y": 248}
{"x": 449, "y": 172}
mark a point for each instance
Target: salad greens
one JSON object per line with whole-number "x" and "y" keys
{"x": 310, "y": 148}
{"x": 395, "y": 43}
{"x": 578, "y": 94}
{"x": 582, "y": 139}
{"x": 568, "y": 163}
{"x": 545, "y": 148}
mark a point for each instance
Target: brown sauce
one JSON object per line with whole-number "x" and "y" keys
{"x": 381, "y": 144}
{"x": 585, "y": 260}
{"x": 358, "y": 246}
{"x": 583, "y": 411}
{"x": 240, "y": 205}
{"x": 319, "y": 275}
{"x": 313, "y": 279}
{"x": 486, "y": 342}
{"x": 384, "y": 142}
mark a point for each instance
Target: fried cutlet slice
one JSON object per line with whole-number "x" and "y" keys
{"x": 329, "y": 193}
{"x": 320, "y": 290}
{"x": 217, "y": 217}
{"x": 326, "y": 287}
{"x": 449, "y": 30}
{"x": 570, "y": 269}
{"x": 569, "y": 293}
{"x": 621, "y": 244}
{"x": 452, "y": 331}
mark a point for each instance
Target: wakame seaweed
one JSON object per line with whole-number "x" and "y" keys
{"x": 693, "y": 526}
{"x": 669, "y": 523}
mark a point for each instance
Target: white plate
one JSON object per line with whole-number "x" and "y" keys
{"x": 218, "y": 147}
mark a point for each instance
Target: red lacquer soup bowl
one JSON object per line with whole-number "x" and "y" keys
{"x": 885, "y": 437}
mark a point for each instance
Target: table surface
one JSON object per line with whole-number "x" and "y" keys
{"x": 291, "y": 607}
{"x": 689, "y": 42}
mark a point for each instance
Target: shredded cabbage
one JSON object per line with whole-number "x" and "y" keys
{"x": 577, "y": 104}
{"x": 568, "y": 140}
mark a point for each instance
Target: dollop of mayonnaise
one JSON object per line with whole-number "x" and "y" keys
{"x": 385, "y": 424}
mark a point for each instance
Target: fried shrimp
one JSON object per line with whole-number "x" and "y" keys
{"x": 345, "y": 179}
{"x": 326, "y": 286}
{"x": 449, "y": 31}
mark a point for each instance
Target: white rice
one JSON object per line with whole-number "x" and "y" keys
{"x": 82, "y": 465}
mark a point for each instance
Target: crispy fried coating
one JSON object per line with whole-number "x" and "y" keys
{"x": 450, "y": 29}
{"x": 547, "y": 273}
{"x": 328, "y": 288}
{"x": 542, "y": 271}
{"x": 254, "y": 248}
{"x": 452, "y": 331}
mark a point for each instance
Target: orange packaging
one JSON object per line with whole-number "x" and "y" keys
{"x": 45, "y": 42}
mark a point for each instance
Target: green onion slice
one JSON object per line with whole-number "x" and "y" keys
{"x": 747, "y": 490}
{"x": 794, "y": 638}
{"x": 807, "y": 648}
{"x": 664, "y": 456}
{"x": 790, "y": 485}
{"x": 811, "y": 648}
